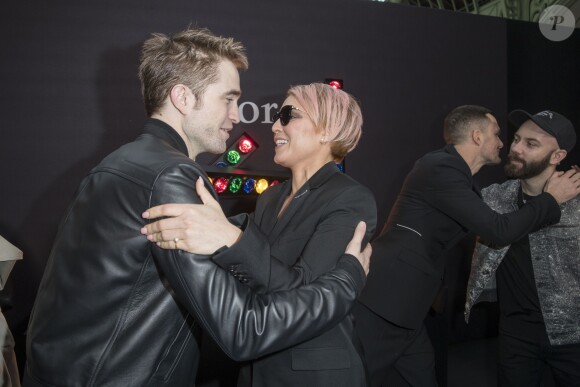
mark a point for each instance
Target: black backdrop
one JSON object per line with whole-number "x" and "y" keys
{"x": 70, "y": 93}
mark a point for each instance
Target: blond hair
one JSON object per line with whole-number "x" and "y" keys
{"x": 334, "y": 112}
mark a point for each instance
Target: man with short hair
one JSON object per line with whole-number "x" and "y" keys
{"x": 437, "y": 206}
{"x": 538, "y": 276}
{"x": 115, "y": 310}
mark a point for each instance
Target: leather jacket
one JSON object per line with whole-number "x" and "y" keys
{"x": 113, "y": 309}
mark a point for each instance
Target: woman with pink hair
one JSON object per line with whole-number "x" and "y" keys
{"x": 299, "y": 229}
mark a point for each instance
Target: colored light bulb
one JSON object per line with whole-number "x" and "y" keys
{"x": 245, "y": 145}
{"x": 335, "y": 84}
{"x": 235, "y": 184}
{"x": 220, "y": 184}
{"x": 261, "y": 185}
{"x": 233, "y": 157}
{"x": 249, "y": 185}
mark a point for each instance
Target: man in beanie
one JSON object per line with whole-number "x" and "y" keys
{"x": 537, "y": 278}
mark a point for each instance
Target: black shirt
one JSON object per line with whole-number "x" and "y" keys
{"x": 520, "y": 311}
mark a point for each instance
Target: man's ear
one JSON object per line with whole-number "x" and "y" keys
{"x": 477, "y": 136}
{"x": 182, "y": 98}
{"x": 558, "y": 156}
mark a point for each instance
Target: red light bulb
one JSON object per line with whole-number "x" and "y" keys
{"x": 335, "y": 84}
{"x": 245, "y": 145}
{"x": 220, "y": 184}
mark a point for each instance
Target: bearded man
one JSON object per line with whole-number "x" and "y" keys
{"x": 537, "y": 278}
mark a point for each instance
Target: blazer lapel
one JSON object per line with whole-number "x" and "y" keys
{"x": 268, "y": 214}
{"x": 289, "y": 213}
{"x": 293, "y": 210}
{"x": 475, "y": 188}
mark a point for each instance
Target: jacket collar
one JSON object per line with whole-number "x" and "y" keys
{"x": 319, "y": 178}
{"x": 165, "y": 132}
{"x": 450, "y": 149}
{"x": 274, "y": 226}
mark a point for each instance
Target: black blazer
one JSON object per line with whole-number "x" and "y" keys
{"x": 436, "y": 207}
{"x": 304, "y": 243}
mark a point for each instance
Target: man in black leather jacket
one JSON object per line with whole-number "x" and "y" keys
{"x": 115, "y": 310}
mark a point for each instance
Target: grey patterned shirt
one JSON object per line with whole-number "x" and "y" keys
{"x": 555, "y": 254}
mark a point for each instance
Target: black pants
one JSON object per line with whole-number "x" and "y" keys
{"x": 522, "y": 363}
{"x": 388, "y": 347}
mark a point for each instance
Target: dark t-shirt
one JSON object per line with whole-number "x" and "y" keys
{"x": 520, "y": 311}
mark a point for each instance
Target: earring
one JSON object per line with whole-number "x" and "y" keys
{"x": 322, "y": 140}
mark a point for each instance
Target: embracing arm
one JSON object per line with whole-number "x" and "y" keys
{"x": 245, "y": 324}
{"x": 315, "y": 243}
{"x": 449, "y": 190}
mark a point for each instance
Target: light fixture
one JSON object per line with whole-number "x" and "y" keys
{"x": 334, "y": 82}
{"x": 237, "y": 152}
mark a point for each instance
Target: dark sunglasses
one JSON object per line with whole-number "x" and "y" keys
{"x": 285, "y": 114}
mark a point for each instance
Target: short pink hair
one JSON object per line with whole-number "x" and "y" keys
{"x": 334, "y": 112}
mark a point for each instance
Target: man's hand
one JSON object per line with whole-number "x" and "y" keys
{"x": 354, "y": 247}
{"x": 564, "y": 186}
{"x": 196, "y": 228}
